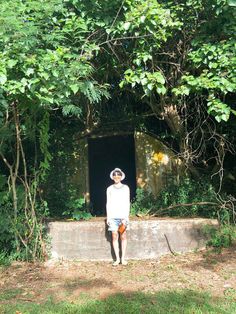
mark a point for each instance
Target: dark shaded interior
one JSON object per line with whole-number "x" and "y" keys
{"x": 105, "y": 154}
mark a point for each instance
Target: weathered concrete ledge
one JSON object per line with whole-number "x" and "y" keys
{"x": 147, "y": 239}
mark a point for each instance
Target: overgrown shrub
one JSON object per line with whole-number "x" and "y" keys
{"x": 5, "y": 259}
{"x": 143, "y": 204}
{"x": 6, "y": 227}
{"x": 20, "y": 237}
{"x": 77, "y": 208}
{"x": 188, "y": 192}
{"x": 59, "y": 188}
{"x": 222, "y": 237}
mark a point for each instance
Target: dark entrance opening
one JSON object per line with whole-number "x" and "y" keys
{"x": 105, "y": 154}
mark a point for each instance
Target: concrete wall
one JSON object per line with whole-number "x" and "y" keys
{"x": 156, "y": 164}
{"x": 90, "y": 240}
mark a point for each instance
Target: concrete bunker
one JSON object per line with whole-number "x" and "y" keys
{"x": 147, "y": 162}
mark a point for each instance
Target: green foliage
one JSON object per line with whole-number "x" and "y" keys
{"x": 77, "y": 209}
{"x": 154, "y": 24}
{"x": 216, "y": 64}
{"x": 43, "y": 128}
{"x": 213, "y": 62}
{"x": 143, "y": 204}
{"x": 13, "y": 229}
{"x": 34, "y": 235}
{"x": 148, "y": 81}
{"x": 81, "y": 215}
{"x": 56, "y": 70}
{"x": 222, "y": 237}
{"x": 6, "y": 225}
{"x": 190, "y": 45}
{"x": 59, "y": 188}
{"x": 5, "y": 259}
{"x": 187, "y": 192}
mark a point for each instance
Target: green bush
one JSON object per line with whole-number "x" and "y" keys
{"x": 77, "y": 208}
{"x": 60, "y": 187}
{"x": 5, "y": 259}
{"x": 143, "y": 204}
{"x": 6, "y": 226}
{"x": 16, "y": 229}
{"x": 188, "y": 191}
{"x": 222, "y": 237}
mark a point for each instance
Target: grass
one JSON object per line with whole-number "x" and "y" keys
{"x": 9, "y": 294}
{"x": 164, "y": 302}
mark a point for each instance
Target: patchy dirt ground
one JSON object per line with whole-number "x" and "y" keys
{"x": 77, "y": 281}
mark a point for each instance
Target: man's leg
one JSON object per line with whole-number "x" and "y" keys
{"x": 123, "y": 247}
{"x": 115, "y": 243}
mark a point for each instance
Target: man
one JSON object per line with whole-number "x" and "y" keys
{"x": 118, "y": 209}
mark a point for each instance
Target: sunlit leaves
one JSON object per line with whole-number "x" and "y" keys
{"x": 126, "y": 25}
{"x": 3, "y": 79}
{"x": 51, "y": 47}
{"x": 212, "y": 64}
{"x": 232, "y": 3}
{"x": 218, "y": 109}
{"x": 49, "y": 61}
{"x": 149, "y": 81}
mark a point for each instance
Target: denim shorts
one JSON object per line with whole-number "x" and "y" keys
{"x": 114, "y": 224}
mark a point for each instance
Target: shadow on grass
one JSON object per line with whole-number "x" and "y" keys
{"x": 80, "y": 282}
{"x": 164, "y": 302}
{"x": 68, "y": 287}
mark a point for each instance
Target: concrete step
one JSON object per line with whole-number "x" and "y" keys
{"x": 147, "y": 239}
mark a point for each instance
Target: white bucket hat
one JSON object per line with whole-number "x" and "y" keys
{"x": 118, "y": 170}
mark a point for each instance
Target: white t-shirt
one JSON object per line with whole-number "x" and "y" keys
{"x": 118, "y": 201}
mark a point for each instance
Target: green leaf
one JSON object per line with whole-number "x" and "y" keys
{"x": 29, "y": 71}
{"x": 144, "y": 81}
{"x": 48, "y": 100}
{"x": 45, "y": 75}
{"x": 11, "y": 63}
{"x": 74, "y": 88}
{"x": 126, "y": 25}
{"x": 161, "y": 89}
{"x": 55, "y": 73}
{"x": 225, "y": 117}
{"x": 142, "y": 18}
{"x": 233, "y": 111}
{"x": 121, "y": 85}
{"x": 159, "y": 77}
{"x": 232, "y": 3}
{"x": 150, "y": 86}
{"x": 3, "y": 79}
{"x": 43, "y": 90}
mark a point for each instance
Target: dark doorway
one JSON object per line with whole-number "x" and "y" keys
{"x": 105, "y": 154}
